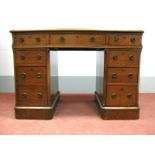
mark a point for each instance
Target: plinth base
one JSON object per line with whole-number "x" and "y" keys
{"x": 116, "y": 113}
{"x": 37, "y": 112}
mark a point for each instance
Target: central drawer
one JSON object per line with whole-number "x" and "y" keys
{"x": 77, "y": 40}
{"x": 31, "y": 75}
{"x": 32, "y": 95}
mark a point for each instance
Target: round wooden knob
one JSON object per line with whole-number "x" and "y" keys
{"x": 24, "y": 95}
{"x": 114, "y": 75}
{"x": 22, "y": 57}
{"x": 38, "y": 75}
{"x": 37, "y": 40}
{"x": 129, "y": 95}
{"x": 21, "y": 40}
{"x": 23, "y": 75}
{"x": 113, "y": 95}
{"x": 116, "y": 39}
{"x": 92, "y": 39}
{"x": 131, "y": 57}
{"x": 62, "y": 39}
{"x": 133, "y": 40}
{"x": 39, "y": 57}
{"x": 130, "y": 75}
{"x": 115, "y": 57}
{"x": 39, "y": 95}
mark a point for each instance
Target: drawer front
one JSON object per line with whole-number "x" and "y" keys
{"x": 36, "y": 39}
{"x": 122, "y": 75}
{"x": 124, "y": 39}
{"x": 123, "y": 58}
{"x": 31, "y": 57}
{"x": 121, "y": 95}
{"x": 79, "y": 40}
{"x": 32, "y": 95}
{"x": 31, "y": 75}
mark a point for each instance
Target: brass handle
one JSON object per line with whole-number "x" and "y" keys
{"x": 22, "y": 57}
{"x": 116, "y": 39}
{"x": 92, "y": 39}
{"x": 115, "y": 57}
{"x": 131, "y": 57}
{"x": 129, "y": 95}
{"x": 23, "y": 75}
{"x": 39, "y": 57}
{"x": 133, "y": 40}
{"x": 114, "y": 75}
{"x": 39, "y": 95}
{"x": 130, "y": 75}
{"x": 21, "y": 40}
{"x": 24, "y": 95}
{"x": 38, "y": 75}
{"x": 113, "y": 95}
{"x": 37, "y": 40}
{"x": 62, "y": 39}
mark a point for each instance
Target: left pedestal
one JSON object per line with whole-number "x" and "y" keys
{"x": 36, "y": 97}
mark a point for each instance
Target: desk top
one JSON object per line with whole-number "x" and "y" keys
{"x": 77, "y": 30}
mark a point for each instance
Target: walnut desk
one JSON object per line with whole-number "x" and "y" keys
{"x": 117, "y": 70}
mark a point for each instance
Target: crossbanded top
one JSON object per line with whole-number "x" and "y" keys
{"x": 77, "y": 30}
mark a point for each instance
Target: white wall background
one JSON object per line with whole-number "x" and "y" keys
{"x": 95, "y": 14}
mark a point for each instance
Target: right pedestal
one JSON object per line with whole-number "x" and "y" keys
{"x": 117, "y": 83}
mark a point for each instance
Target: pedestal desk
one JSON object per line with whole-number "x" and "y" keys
{"x": 117, "y": 70}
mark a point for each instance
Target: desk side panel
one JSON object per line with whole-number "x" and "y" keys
{"x": 54, "y": 72}
{"x": 100, "y": 74}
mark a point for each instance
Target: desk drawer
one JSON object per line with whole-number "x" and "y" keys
{"x": 121, "y": 95}
{"x": 122, "y": 75}
{"x": 31, "y": 57}
{"x": 123, "y": 58}
{"x": 124, "y": 39}
{"x": 32, "y": 95}
{"x": 73, "y": 40}
{"x": 31, "y": 75}
{"x": 35, "y": 39}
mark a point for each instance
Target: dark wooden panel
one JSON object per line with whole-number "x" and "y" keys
{"x": 120, "y": 114}
{"x": 34, "y": 113}
{"x": 100, "y": 55}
